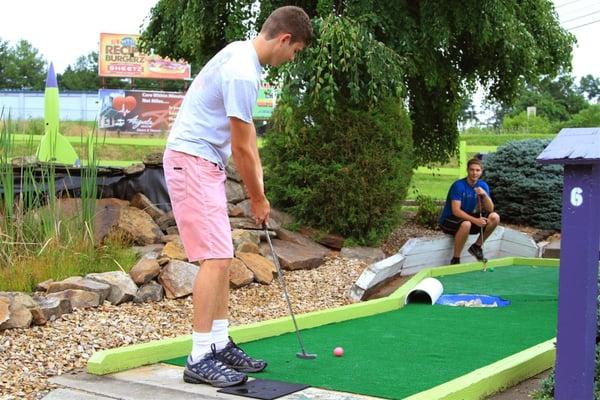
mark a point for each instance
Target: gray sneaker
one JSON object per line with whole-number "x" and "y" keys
{"x": 477, "y": 252}
{"x": 211, "y": 371}
{"x": 236, "y": 358}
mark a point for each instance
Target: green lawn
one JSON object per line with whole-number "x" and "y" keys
{"x": 434, "y": 186}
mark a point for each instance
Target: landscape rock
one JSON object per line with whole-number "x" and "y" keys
{"x": 172, "y": 230}
{"x": 248, "y": 223}
{"x": 177, "y": 277}
{"x": 19, "y": 316}
{"x": 263, "y": 269}
{"x": 80, "y": 283}
{"x": 136, "y": 226}
{"x": 243, "y": 235}
{"x": 78, "y": 298}
{"x": 369, "y": 255}
{"x": 166, "y": 221}
{"x": 247, "y": 247}
{"x": 122, "y": 287}
{"x": 134, "y": 169}
{"x": 330, "y": 240}
{"x": 293, "y": 255}
{"x": 139, "y": 200}
{"x": 4, "y": 309}
{"x": 149, "y": 292}
{"x": 51, "y": 308}
{"x": 141, "y": 251}
{"x": 153, "y": 159}
{"x": 239, "y": 274}
{"x": 174, "y": 250}
{"x": 234, "y": 191}
{"x": 235, "y": 210}
{"x": 146, "y": 269}
{"x": 280, "y": 218}
{"x": 232, "y": 172}
{"x": 43, "y": 286}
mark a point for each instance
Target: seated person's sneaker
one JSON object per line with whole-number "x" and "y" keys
{"x": 455, "y": 260}
{"x": 212, "y": 371}
{"x": 234, "y": 357}
{"x": 476, "y": 252}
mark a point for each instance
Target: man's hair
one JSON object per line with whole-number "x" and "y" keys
{"x": 475, "y": 161}
{"x": 288, "y": 19}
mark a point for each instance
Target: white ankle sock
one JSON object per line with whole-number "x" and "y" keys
{"x": 201, "y": 342}
{"x": 220, "y": 333}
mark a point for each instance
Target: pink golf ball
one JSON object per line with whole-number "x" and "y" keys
{"x": 338, "y": 352}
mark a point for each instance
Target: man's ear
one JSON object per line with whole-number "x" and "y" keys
{"x": 285, "y": 38}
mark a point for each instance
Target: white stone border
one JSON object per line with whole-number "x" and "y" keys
{"x": 427, "y": 252}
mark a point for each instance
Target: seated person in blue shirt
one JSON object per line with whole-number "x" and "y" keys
{"x": 469, "y": 210}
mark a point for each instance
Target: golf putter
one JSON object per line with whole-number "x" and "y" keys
{"x": 481, "y": 232}
{"x": 302, "y": 353}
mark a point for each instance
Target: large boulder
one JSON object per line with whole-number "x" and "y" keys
{"x": 136, "y": 226}
{"x": 122, "y": 287}
{"x": 263, "y": 269}
{"x": 80, "y": 283}
{"x": 174, "y": 250}
{"x": 78, "y": 298}
{"x": 49, "y": 309}
{"x": 139, "y": 200}
{"x": 177, "y": 277}
{"x": 239, "y": 274}
{"x": 146, "y": 269}
{"x": 19, "y": 314}
{"x": 296, "y": 251}
{"x": 148, "y": 292}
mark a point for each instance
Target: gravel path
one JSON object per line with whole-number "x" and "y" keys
{"x": 28, "y": 357}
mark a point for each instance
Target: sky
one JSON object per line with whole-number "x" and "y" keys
{"x": 63, "y": 30}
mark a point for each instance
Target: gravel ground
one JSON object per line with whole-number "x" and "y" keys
{"x": 28, "y": 357}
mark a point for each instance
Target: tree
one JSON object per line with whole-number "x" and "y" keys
{"x": 449, "y": 47}
{"x": 23, "y": 67}
{"x": 555, "y": 99}
{"x": 590, "y": 86}
{"x": 83, "y": 75}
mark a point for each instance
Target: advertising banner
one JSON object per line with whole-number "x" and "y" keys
{"x": 267, "y": 98}
{"x": 119, "y": 56}
{"x": 137, "y": 111}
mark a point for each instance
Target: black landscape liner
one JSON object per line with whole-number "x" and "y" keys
{"x": 111, "y": 182}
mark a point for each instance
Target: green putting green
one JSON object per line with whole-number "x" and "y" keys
{"x": 412, "y": 349}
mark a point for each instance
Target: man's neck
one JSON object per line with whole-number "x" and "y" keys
{"x": 262, "y": 49}
{"x": 471, "y": 182}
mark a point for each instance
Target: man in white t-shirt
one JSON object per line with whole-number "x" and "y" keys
{"x": 214, "y": 122}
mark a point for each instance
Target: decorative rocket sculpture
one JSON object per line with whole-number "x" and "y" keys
{"x": 54, "y": 147}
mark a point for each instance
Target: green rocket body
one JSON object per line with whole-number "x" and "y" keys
{"x": 54, "y": 147}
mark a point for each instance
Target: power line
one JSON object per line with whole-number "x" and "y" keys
{"x": 580, "y": 17}
{"x": 582, "y": 25}
{"x": 566, "y": 4}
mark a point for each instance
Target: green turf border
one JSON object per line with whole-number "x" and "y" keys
{"x": 484, "y": 381}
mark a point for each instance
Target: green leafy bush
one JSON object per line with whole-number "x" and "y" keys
{"x": 348, "y": 174}
{"x": 427, "y": 211}
{"x": 525, "y": 191}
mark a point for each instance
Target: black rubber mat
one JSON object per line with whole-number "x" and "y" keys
{"x": 264, "y": 389}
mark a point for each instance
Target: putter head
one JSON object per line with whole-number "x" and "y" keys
{"x": 306, "y": 356}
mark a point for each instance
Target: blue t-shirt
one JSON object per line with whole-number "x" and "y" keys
{"x": 461, "y": 190}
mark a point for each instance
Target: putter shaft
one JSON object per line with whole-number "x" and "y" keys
{"x": 303, "y": 353}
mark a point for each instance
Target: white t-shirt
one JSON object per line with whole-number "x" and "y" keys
{"x": 227, "y": 86}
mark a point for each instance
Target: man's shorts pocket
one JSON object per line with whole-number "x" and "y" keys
{"x": 176, "y": 176}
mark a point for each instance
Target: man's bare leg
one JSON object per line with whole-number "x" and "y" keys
{"x": 460, "y": 238}
{"x": 493, "y": 221}
{"x": 210, "y": 298}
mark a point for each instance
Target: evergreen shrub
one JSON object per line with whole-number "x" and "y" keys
{"x": 525, "y": 191}
{"x": 346, "y": 173}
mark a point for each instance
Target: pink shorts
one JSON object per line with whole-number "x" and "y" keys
{"x": 197, "y": 190}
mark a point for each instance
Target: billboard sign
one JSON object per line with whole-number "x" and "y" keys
{"x": 138, "y": 111}
{"x": 119, "y": 56}
{"x": 265, "y": 104}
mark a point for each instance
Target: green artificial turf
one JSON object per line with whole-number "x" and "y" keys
{"x": 406, "y": 351}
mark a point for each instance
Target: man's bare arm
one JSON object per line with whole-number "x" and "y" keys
{"x": 247, "y": 161}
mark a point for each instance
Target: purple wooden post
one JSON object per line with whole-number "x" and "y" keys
{"x": 579, "y": 150}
